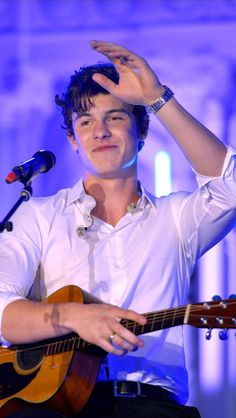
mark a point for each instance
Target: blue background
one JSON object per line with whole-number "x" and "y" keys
{"x": 191, "y": 46}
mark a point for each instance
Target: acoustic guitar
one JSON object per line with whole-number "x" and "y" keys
{"x": 60, "y": 373}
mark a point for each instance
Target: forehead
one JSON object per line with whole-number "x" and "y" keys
{"x": 103, "y": 103}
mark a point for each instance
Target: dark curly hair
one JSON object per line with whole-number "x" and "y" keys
{"x": 81, "y": 90}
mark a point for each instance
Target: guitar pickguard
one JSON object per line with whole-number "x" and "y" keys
{"x": 11, "y": 382}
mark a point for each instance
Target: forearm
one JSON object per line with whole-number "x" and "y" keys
{"x": 204, "y": 151}
{"x": 25, "y": 321}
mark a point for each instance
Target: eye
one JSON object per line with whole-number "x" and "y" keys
{"x": 116, "y": 118}
{"x": 85, "y": 123}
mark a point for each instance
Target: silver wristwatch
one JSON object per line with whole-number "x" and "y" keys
{"x": 153, "y": 108}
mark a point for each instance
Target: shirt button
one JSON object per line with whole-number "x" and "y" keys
{"x": 117, "y": 267}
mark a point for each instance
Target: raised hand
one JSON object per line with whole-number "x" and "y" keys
{"x": 138, "y": 84}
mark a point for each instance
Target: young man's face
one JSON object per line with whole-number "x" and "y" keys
{"x": 106, "y": 138}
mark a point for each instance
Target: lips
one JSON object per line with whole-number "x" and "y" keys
{"x": 104, "y": 148}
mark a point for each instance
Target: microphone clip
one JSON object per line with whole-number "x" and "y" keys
{"x": 81, "y": 231}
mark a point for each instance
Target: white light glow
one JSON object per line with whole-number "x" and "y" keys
{"x": 211, "y": 351}
{"x": 163, "y": 181}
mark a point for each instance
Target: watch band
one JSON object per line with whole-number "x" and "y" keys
{"x": 153, "y": 108}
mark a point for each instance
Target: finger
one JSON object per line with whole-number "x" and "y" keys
{"x": 122, "y": 57}
{"x": 131, "y": 316}
{"x": 118, "y": 345}
{"x": 127, "y": 339}
{"x": 125, "y": 345}
{"x": 121, "y": 331}
{"x": 114, "y": 51}
{"x": 105, "y": 82}
{"x": 113, "y": 349}
{"x": 107, "y": 46}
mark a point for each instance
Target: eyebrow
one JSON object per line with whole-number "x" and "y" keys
{"x": 109, "y": 112}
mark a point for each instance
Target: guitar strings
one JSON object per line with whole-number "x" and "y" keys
{"x": 168, "y": 314}
{"x": 151, "y": 317}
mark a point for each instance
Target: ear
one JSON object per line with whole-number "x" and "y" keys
{"x": 141, "y": 143}
{"x": 72, "y": 141}
{"x": 143, "y": 132}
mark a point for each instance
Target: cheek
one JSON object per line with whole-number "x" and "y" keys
{"x": 131, "y": 140}
{"x": 128, "y": 134}
{"x": 80, "y": 143}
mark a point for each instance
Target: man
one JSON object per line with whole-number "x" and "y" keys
{"x": 110, "y": 237}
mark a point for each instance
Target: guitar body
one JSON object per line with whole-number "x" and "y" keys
{"x": 62, "y": 381}
{"x": 60, "y": 373}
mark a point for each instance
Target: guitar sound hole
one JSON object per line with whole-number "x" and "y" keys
{"x": 29, "y": 358}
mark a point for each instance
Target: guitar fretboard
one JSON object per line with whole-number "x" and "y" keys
{"x": 166, "y": 318}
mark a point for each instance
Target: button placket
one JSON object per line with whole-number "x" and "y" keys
{"x": 118, "y": 274}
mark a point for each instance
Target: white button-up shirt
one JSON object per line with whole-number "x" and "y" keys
{"x": 144, "y": 263}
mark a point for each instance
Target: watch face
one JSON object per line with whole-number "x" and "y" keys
{"x": 156, "y": 106}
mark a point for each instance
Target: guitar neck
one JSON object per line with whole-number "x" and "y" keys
{"x": 219, "y": 314}
{"x": 158, "y": 320}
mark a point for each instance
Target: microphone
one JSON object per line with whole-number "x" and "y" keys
{"x": 41, "y": 162}
{"x": 82, "y": 230}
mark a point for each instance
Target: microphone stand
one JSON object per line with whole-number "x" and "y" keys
{"x": 25, "y": 195}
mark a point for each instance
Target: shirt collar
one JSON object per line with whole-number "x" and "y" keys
{"x": 78, "y": 193}
{"x": 146, "y": 196}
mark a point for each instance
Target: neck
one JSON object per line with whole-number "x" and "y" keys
{"x": 112, "y": 196}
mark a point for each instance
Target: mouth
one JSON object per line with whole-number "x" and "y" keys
{"x": 101, "y": 148}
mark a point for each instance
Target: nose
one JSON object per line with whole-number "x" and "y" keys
{"x": 101, "y": 131}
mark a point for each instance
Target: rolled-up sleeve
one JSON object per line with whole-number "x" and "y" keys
{"x": 228, "y": 170}
{"x": 19, "y": 258}
{"x": 205, "y": 216}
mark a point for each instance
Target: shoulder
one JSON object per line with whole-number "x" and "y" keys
{"x": 174, "y": 199}
{"x": 58, "y": 200}
{"x": 40, "y": 210}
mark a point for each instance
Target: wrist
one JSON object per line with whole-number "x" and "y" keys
{"x": 156, "y": 95}
{"x": 160, "y": 101}
{"x": 67, "y": 313}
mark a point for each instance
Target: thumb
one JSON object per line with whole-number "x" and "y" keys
{"x": 105, "y": 82}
